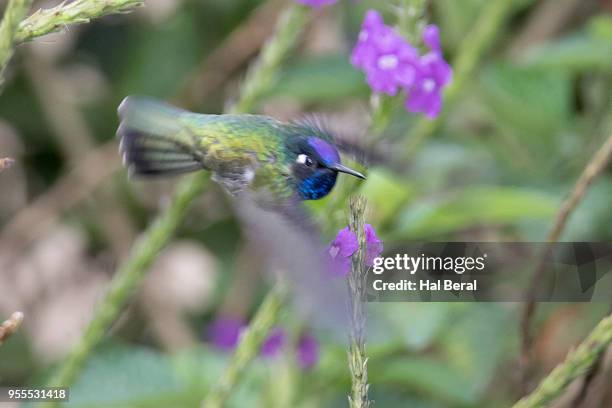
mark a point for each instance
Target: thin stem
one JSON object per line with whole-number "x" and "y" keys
{"x": 263, "y": 74}
{"x": 357, "y": 295}
{"x": 131, "y": 273}
{"x": 16, "y": 10}
{"x": 596, "y": 165}
{"x": 251, "y": 340}
{"x": 45, "y": 21}
{"x": 576, "y": 364}
{"x": 410, "y": 15}
{"x": 473, "y": 47}
{"x": 128, "y": 278}
{"x": 382, "y": 108}
{"x": 411, "y": 19}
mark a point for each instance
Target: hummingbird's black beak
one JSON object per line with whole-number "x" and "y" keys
{"x": 343, "y": 169}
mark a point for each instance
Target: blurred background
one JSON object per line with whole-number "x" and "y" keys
{"x": 496, "y": 168}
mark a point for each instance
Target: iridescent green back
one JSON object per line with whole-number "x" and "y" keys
{"x": 244, "y": 152}
{"x": 231, "y": 145}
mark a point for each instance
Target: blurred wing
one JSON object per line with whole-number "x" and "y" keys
{"x": 292, "y": 247}
{"x": 154, "y": 139}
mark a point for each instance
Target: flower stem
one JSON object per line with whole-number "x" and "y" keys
{"x": 576, "y": 364}
{"x": 261, "y": 77}
{"x": 250, "y": 342}
{"x": 131, "y": 273}
{"x": 357, "y": 296}
{"x": 45, "y": 21}
{"x": 411, "y": 19}
{"x": 410, "y": 16}
{"x": 128, "y": 278}
{"x": 15, "y": 11}
{"x": 593, "y": 169}
{"x": 473, "y": 47}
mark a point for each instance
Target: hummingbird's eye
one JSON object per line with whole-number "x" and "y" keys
{"x": 305, "y": 160}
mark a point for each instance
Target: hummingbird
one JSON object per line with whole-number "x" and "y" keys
{"x": 274, "y": 161}
{"x": 269, "y": 166}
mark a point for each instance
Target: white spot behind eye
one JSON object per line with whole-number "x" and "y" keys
{"x": 302, "y": 159}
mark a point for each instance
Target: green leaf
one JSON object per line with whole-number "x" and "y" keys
{"x": 325, "y": 79}
{"x": 425, "y": 375}
{"x": 416, "y": 324}
{"x": 126, "y": 376}
{"x": 576, "y": 53}
{"x": 600, "y": 26}
{"x": 474, "y": 206}
{"x": 200, "y": 369}
{"x": 385, "y": 194}
{"x": 533, "y": 103}
{"x": 456, "y": 18}
{"x": 475, "y": 342}
{"x": 130, "y": 376}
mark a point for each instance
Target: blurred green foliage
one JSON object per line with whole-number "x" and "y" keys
{"x": 507, "y": 153}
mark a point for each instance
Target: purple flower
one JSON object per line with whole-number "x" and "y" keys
{"x": 340, "y": 250}
{"x": 345, "y": 245}
{"x": 425, "y": 95}
{"x": 384, "y": 56}
{"x": 374, "y": 246}
{"x": 307, "y": 351}
{"x": 316, "y": 3}
{"x": 274, "y": 343}
{"x": 224, "y": 332}
{"x": 392, "y": 64}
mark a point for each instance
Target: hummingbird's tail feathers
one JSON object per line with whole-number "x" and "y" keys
{"x": 147, "y": 155}
{"x": 152, "y": 139}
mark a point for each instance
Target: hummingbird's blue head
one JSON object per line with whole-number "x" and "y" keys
{"x": 316, "y": 166}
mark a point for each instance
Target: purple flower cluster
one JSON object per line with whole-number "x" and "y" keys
{"x": 391, "y": 64}
{"x": 224, "y": 334}
{"x": 316, "y": 3}
{"x": 345, "y": 245}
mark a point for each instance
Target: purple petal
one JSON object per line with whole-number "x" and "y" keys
{"x": 431, "y": 37}
{"x": 406, "y": 76}
{"x": 340, "y": 250}
{"x": 373, "y": 20}
{"x": 425, "y": 94}
{"x": 374, "y": 246}
{"x": 307, "y": 351}
{"x": 433, "y": 65}
{"x": 425, "y": 98}
{"x": 346, "y": 242}
{"x": 274, "y": 343}
{"x": 382, "y": 83}
{"x": 341, "y": 267}
{"x": 224, "y": 332}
